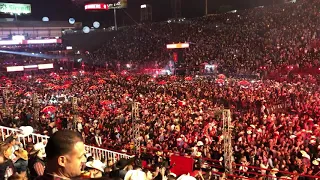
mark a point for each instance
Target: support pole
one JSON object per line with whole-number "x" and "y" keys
{"x": 136, "y": 127}
{"x": 36, "y": 107}
{"x": 227, "y": 146}
{"x": 206, "y": 8}
{"x": 5, "y": 101}
{"x": 115, "y": 19}
{"x": 75, "y": 111}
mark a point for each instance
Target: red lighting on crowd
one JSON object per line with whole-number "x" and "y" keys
{"x": 175, "y": 57}
{"x": 96, "y": 6}
{"x": 290, "y": 67}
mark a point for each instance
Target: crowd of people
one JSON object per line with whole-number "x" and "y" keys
{"x": 64, "y": 157}
{"x": 275, "y": 124}
{"x": 239, "y": 43}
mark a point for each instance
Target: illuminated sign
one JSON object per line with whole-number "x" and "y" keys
{"x": 29, "y": 67}
{"x": 44, "y": 41}
{"x": 10, "y": 42}
{"x": 98, "y": 6}
{"x": 18, "y": 38}
{"x": 45, "y": 66}
{"x": 119, "y": 5}
{"x": 14, "y": 8}
{"x": 102, "y": 6}
{"x": 36, "y": 41}
{"x": 15, "y": 68}
{"x": 178, "y": 46}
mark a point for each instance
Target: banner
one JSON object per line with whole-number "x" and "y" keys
{"x": 15, "y": 8}
{"x": 119, "y": 5}
{"x": 181, "y": 165}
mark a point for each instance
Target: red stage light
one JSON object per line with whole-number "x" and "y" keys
{"x": 175, "y": 57}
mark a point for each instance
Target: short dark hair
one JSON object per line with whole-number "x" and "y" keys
{"x": 9, "y": 139}
{"x": 90, "y": 158}
{"x": 61, "y": 143}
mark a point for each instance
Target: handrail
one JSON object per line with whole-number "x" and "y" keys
{"x": 114, "y": 156}
{"x": 37, "y": 138}
{"x": 248, "y": 166}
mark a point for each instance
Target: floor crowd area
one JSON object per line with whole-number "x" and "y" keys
{"x": 276, "y": 125}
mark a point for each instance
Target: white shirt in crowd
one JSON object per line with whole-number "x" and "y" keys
{"x": 186, "y": 177}
{"x": 79, "y": 126}
{"x": 135, "y": 175}
{"x": 13, "y": 156}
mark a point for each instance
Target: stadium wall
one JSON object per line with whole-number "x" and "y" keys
{"x": 33, "y": 29}
{"x": 90, "y": 41}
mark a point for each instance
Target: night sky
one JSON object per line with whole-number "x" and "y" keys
{"x": 62, "y": 10}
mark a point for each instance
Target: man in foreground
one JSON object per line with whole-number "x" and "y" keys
{"x": 65, "y": 154}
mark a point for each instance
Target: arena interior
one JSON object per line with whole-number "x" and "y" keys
{"x": 230, "y": 95}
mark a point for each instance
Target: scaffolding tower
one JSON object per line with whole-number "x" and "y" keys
{"x": 36, "y": 107}
{"x": 74, "y": 102}
{"x": 135, "y": 126}
{"x": 176, "y": 8}
{"x": 227, "y": 146}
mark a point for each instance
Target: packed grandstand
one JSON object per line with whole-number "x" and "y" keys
{"x": 266, "y": 72}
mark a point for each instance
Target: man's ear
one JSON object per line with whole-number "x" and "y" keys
{"x": 62, "y": 160}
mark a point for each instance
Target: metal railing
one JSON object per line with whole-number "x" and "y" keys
{"x": 252, "y": 172}
{"x": 97, "y": 153}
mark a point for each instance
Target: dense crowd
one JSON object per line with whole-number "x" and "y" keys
{"x": 276, "y": 125}
{"x": 239, "y": 43}
{"x": 64, "y": 156}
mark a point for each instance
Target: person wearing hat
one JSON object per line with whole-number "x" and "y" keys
{"x": 122, "y": 167}
{"x": 25, "y": 131}
{"x": 37, "y": 160}
{"x": 89, "y": 158}
{"x": 315, "y": 162}
{"x": 273, "y": 173}
{"x": 95, "y": 169}
{"x": 21, "y": 164}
